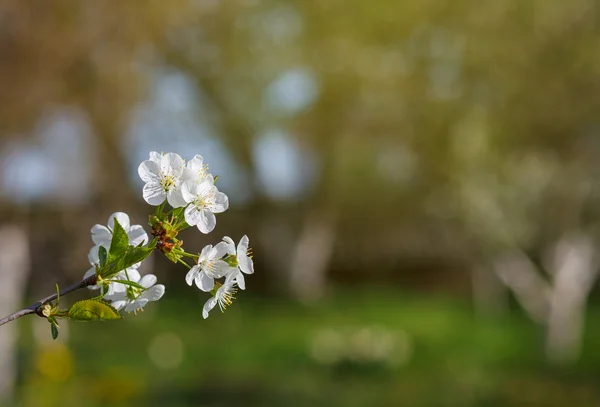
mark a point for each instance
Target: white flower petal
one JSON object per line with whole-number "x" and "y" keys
{"x": 230, "y": 245}
{"x": 175, "y": 198}
{"x": 93, "y": 256}
{"x": 204, "y": 282}
{"x": 220, "y": 204}
{"x": 204, "y": 188}
{"x": 149, "y": 171}
{"x": 219, "y": 269}
{"x": 188, "y": 175}
{"x": 89, "y": 273}
{"x": 136, "y": 305}
{"x": 219, "y": 250}
{"x": 154, "y": 193}
{"x": 172, "y": 164}
{"x": 208, "y": 306}
{"x": 240, "y": 280}
{"x": 246, "y": 264}
{"x": 156, "y": 157}
{"x": 119, "y": 304}
{"x": 191, "y": 275}
{"x": 205, "y": 252}
{"x": 196, "y": 163}
{"x": 154, "y": 293}
{"x": 188, "y": 191}
{"x": 131, "y": 274}
{"x": 207, "y": 222}
{"x": 116, "y": 292}
{"x": 192, "y": 215}
{"x": 101, "y": 235}
{"x": 147, "y": 281}
{"x": 242, "y": 247}
{"x": 137, "y": 235}
{"x": 122, "y": 218}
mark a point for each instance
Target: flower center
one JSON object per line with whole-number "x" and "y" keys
{"x": 203, "y": 172}
{"x": 205, "y": 201}
{"x": 209, "y": 267}
{"x": 225, "y": 295}
{"x": 168, "y": 181}
{"x": 133, "y": 292}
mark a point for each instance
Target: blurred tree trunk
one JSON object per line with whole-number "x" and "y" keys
{"x": 574, "y": 272}
{"x": 560, "y": 304}
{"x": 276, "y": 236}
{"x": 14, "y": 271}
{"x": 521, "y": 276}
{"x": 312, "y": 256}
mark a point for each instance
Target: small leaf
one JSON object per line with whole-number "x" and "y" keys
{"x": 102, "y": 255}
{"x": 131, "y": 256}
{"x": 93, "y": 310}
{"x": 174, "y": 257}
{"x": 54, "y": 330}
{"x": 119, "y": 243}
{"x": 136, "y": 254}
{"x": 178, "y": 212}
{"x": 129, "y": 283}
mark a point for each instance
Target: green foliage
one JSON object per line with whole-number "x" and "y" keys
{"x": 270, "y": 358}
{"x": 119, "y": 243}
{"x": 129, "y": 283}
{"x": 102, "y": 254}
{"x": 121, "y": 254}
{"x": 54, "y": 329}
{"x": 93, "y": 310}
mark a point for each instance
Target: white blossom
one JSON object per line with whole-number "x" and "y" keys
{"x": 209, "y": 267}
{"x": 204, "y": 201}
{"x": 163, "y": 179}
{"x": 155, "y": 156}
{"x": 224, "y": 296}
{"x": 133, "y": 299}
{"x": 195, "y": 170}
{"x": 102, "y": 236}
{"x": 240, "y": 259}
{"x": 122, "y": 275}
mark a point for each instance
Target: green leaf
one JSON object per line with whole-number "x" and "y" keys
{"x": 136, "y": 254}
{"x": 102, "y": 254}
{"x": 129, "y": 283}
{"x": 177, "y": 213}
{"x": 173, "y": 256}
{"x": 131, "y": 256}
{"x": 54, "y": 330}
{"x": 119, "y": 243}
{"x": 93, "y": 310}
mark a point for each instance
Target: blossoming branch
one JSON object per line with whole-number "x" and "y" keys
{"x": 120, "y": 248}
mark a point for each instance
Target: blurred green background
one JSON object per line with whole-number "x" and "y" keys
{"x": 419, "y": 181}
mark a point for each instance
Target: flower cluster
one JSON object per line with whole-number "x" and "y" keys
{"x": 225, "y": 261}
{"x": 190, "y": 185}
{"x": 119, "y": 290}
{"x": 190, "y": 191}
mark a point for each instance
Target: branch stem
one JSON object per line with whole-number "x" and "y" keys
{"x": 36, "y": 308}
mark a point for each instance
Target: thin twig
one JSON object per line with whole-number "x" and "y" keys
{"x": 36, "y": 308}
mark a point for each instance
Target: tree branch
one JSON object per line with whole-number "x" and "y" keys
{"x": 36, "y": 308}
